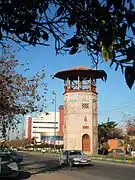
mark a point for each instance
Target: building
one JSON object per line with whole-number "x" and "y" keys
{"x": 45, "y": 127}
{"x": 80, "y": 108}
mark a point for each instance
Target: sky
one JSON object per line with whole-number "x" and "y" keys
{"x": 115, "y": 100}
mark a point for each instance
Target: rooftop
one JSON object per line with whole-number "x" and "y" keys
{"x": 82, "y": 72}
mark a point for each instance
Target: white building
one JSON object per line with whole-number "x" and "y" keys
{"x": 44, "y": 127}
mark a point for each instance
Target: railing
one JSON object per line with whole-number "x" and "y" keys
{"x": 92, "y": 88}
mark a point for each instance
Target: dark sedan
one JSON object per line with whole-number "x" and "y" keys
{"x": 15, "y": 156}
{"x": 8, "y": 167}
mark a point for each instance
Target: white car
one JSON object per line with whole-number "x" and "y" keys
{"x": 8, "y": 167}
{"x": 74, "y": 157}
{"x": 43, "y": 150}
{"x": 133, "y": 153}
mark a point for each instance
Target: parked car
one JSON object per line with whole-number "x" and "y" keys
{"x": 8, "y": 167}
{"x": 15, "y": 156}
{"x": 74, "y": 157}
{"x": 133, "y": 153}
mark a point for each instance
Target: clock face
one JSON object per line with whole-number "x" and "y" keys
{"x": 78, "y": 97}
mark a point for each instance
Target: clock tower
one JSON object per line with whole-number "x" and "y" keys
{"x": 80, "y": 108}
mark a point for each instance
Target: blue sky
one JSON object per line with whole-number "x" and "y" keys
{"x": 114, "y": 98}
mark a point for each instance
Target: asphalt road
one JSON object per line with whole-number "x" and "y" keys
{"x": 47, "y": 168}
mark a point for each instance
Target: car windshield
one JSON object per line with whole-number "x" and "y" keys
{"x": 12, "y": 152}
{"x": 4, "y": 157}
{"x": 76, "y": 153}
{"x": 4, "y": 150}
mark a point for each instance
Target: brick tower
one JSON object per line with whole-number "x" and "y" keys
{"x": 80, "y": 108}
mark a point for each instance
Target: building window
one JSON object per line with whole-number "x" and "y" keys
{"x": 85, "y": 105}
{"x": 46, "y": 127}
{"x": 42, "y": 122}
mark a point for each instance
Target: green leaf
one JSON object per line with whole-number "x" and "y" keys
{"x": 0, "y": 35}
{"x": 122, "y": 31}
{"x": 73, "y": 50}
{"x": 122, "y": 68}
{"x": 131, "y": 6}
{"x": 71, "y": 21}
{"x": 109, "y": 3}
{"x": 117, "y": 65}
{"x": 68, "y": 43}
{"x": 45, "y": 36}
{"x": 111, "y": 63}
{"x": 134, "y": 63}
{"x": 129, "y": 76}
{"x": 133, "y": 30}
{"x": 60, "y": 10}
{"x": 130, "y": 18}
{"x": 117, "y": 4}
{"x": 130, "y": 53}
{"x": 72, "y": 42}
{"x": 45, "y": 6}
{"x": 103, "y": 75}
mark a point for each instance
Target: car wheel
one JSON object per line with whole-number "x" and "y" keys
{"x": 61, "y": 162}
{"x": 70, "y": 165}
{"x": 15, "y": 175}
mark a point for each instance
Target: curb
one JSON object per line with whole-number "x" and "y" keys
{"x": 122, "y": 161}
{"x": 40, "y": 153}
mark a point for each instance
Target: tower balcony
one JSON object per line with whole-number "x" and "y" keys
{"x": 91, "y": 88}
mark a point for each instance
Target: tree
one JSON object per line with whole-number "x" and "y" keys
{"x": 129, "y": 135}
{"x": 19, "y": 95}
{"x": 130, "y": 126}
{"x": 15, "y": 143}
{"x": 26, "y": 142}
{"x": 103, "y": 28}
{"x": 108, "y": 130}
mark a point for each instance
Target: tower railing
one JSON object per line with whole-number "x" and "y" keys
{"x": 75, "y": 88}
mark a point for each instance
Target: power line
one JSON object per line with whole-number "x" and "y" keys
{"x": 124, "y": 103}
{"x": 118, "y": 108}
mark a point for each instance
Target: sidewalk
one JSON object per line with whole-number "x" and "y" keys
{"x": 122, "y": 161}
{"x": 40, "y": 153}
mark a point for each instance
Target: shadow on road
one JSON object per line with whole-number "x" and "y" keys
{"x": 41, "y": 166}
{"x": 52, "y": 166}
{"x": 22, "y": 175}
{"x": 42, "y": 162}
{"x": 38, "y": 164}
{"x": 58, "y": 168}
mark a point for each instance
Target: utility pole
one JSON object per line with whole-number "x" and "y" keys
{"x": 54, "y": 93}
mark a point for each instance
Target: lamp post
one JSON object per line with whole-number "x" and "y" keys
{"x": 35, "y": 133}
{"x": 54, "y": 93}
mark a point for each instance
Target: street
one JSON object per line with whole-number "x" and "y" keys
{"x": 36, "y": 167}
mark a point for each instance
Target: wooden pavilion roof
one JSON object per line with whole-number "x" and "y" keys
{"x": 82, "y": 72}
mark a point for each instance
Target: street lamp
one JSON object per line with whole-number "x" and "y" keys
{"x": 54, "y": 93}
{"x": 35, "y": 132}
